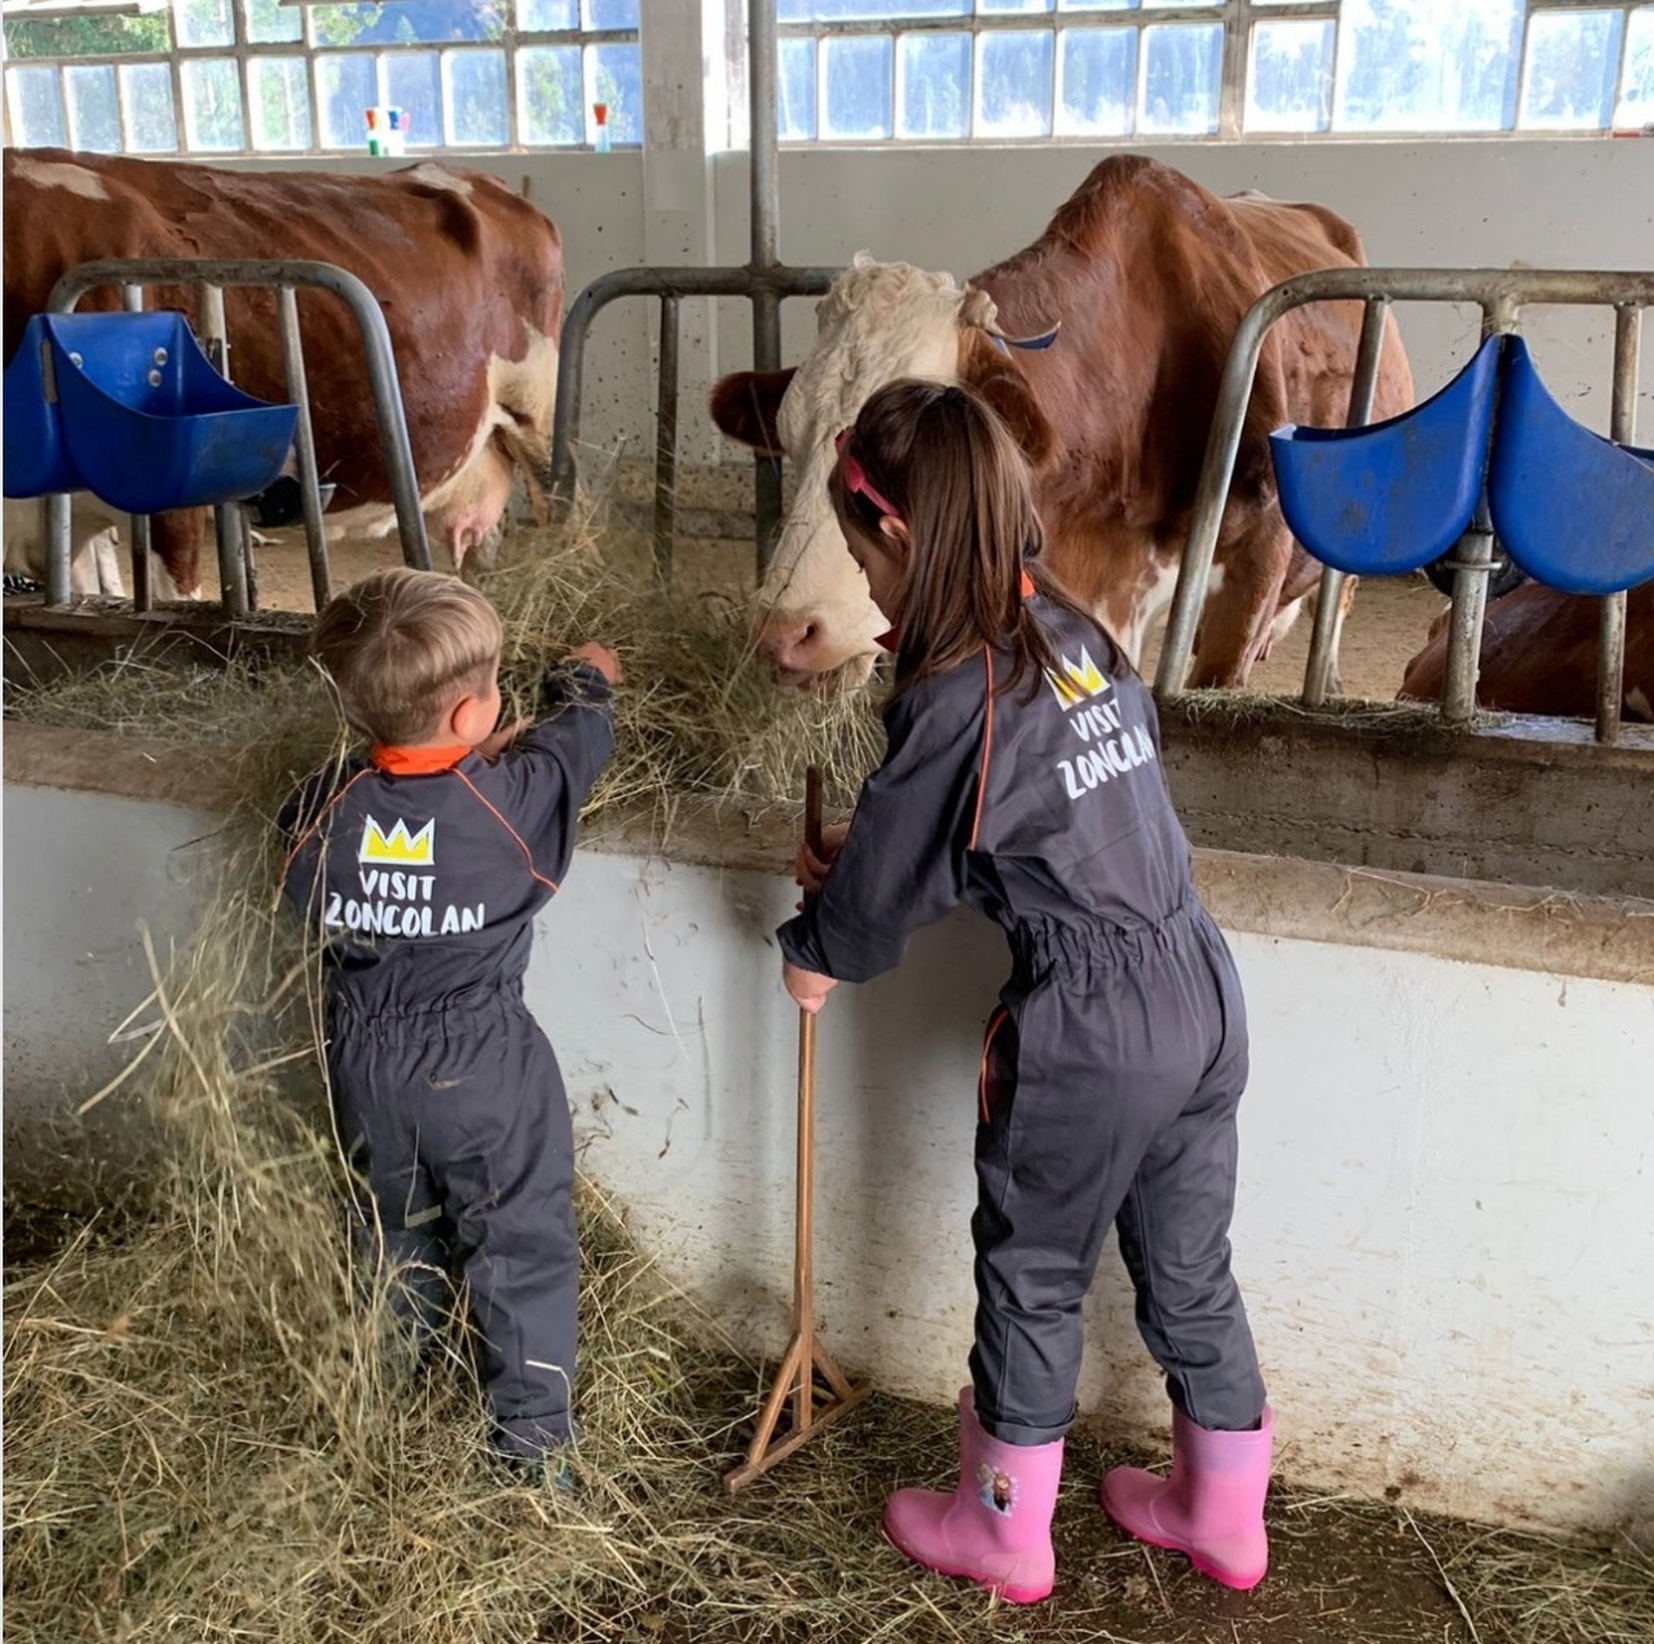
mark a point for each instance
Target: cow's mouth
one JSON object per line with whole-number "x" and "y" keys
{"x": 849, "y": 675}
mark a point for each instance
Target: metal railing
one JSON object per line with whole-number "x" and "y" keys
{"x": 210, "y": 276}
{"x": 1501, "y": 295}
{"x": 764, "y": 281}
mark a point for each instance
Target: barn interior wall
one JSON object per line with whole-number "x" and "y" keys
{"x": 1451, "y": 203}
{"x": 1442, "y": 1229}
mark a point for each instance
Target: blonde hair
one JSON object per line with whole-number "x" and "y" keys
{"x": 402, "y": 647}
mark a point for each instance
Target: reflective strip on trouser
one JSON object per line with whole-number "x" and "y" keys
{"x": 460, "y": 1122}
{"x": 1109, "y": 1092}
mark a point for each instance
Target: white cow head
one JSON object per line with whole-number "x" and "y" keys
{"x": 879, "y": 322}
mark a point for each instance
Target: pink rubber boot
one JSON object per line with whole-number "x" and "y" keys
{"x": 1211, "y": 1505}
{"x": 995, "y": 1528}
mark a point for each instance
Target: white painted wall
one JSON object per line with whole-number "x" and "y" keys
{"x": 1443, "y": 1228}
{"x": 1461, "y": 203}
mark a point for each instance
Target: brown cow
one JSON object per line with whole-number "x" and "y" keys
{"x": 469, "y": 275}
{"x": 1539, "y": 655}
{"x": 1149, "y": 276}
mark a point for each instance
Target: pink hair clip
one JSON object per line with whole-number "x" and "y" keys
{"x": 855, "y": 476}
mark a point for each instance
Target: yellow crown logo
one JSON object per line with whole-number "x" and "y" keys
{"x": 1078, "y": 680}
{"x": 399, "y": 846}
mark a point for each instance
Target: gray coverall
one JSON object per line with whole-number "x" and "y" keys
{"x": 1112, "y": 1069}
{"x": 422, "y": 879}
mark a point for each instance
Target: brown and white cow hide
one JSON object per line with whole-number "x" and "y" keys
{"x": 1539, "y": 655}
{"x": 1148, "y": 275}
{"x": 468, "y": 274}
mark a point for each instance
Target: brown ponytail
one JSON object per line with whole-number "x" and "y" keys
{"x": 953, "y": 474}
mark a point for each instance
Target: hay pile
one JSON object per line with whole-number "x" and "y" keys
{"x": 206, "y": 1437}
{"x": 697, "y": 718}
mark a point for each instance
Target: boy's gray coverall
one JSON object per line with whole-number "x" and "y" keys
{"x": 1112, "y": 1069}
{"x": 422, "y": 873}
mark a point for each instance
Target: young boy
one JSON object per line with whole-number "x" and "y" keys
{"x": 420, "y": 869}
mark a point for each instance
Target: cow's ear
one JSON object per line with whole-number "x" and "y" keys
{"x": 993, "y": 376}
{"x": 745, "y": 406}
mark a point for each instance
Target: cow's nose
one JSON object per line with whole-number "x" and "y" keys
{"x": 791, "y": 645}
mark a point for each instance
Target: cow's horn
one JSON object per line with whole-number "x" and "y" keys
{"x": 1043, "y": 340}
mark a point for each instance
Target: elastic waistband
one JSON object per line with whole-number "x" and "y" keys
{"x": 395, "y": 1012}
{"x": 1100, "y": 943}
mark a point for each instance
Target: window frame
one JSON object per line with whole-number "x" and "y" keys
{"x": 1237, "y": 18}
{"x": 244, "y": 52}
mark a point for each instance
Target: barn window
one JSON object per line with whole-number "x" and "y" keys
{"x": 215, "y": 77}
{"x": 280, "y": 77}
{"x": 1007, "y": 70}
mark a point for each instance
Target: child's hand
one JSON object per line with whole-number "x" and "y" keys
{"x": 809, "y": 991}
{"x": 601, "y": 658}
{"x": 492, "y": 747}
{"x": 809, "y": 869}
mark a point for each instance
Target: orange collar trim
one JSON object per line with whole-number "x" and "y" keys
{"x": 1028, "y": 589}
{"x": 417, "y": 761}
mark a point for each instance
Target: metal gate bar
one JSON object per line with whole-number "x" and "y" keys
{"x": 1501, "y": 294}
{"x": 764, "y": 281}
{"x": 670, "y": 285}
{"x": 283, "y": 276}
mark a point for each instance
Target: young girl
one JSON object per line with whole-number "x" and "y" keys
{"x": 1023, "y": 777}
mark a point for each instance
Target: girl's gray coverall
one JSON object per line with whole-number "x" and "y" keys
{"x": 1112, "y": 1068}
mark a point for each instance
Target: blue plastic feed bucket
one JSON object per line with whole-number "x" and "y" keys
{"x": 148, "y": 422}
{"x": 1392, "y": 496}
{"x": 36, "y": 458}
{"x": 1574, "y": 510}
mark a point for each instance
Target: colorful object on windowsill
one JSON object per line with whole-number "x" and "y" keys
{"x": 600, "y": 116}
{"x": 387, "y": 131}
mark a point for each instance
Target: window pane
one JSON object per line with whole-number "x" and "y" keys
{"x": 549, "y": 95}
{"x": 204, "y": 23}
{"x": 1417, "y": 65}
{"x": 831, "y": 11}
{"x": 1168, "y": 5}
{"x": 934, "y": 85}
{"x": 1096, "y": 5}
{"x": 1013, "y": 84}
{"x": 1012, "y": 5}
{"x": 617, "y": 79}
{"x": 795, "y": 91}
{"x": 279, "y": 103}
{"x": 88, "y": 36}
{"x": 612, "y": 14}
{"x": 858, "y": 74}
{"x": 413, "y": 84}
{"x": 94, "y": 120}
{"x": 151, "y": 124}
{"x": 1180, "y": 77}
{"x": 345, "y": 89}
{"x": 408, "y": 22}
{"x": 1637, "y": 92}
{"x": 1099, "y": 82}
{"x": 212, "y": 103}
{"x": 1289, "y": 79}
{"x": 548, "y": 14}
{"x": 476, "y": 96}
{"x": 36, "y": 107}
{"x": 268, "y": 22}
{"x": 1568, "y": 82}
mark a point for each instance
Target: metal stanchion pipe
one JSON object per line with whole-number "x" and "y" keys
{"x": 304, "y": 438}
{"x": 666, "y": 440}
{"x": 1622, "y": 427}
{"x": 1328, "y": 617}
{"x": 143, "y": 597}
